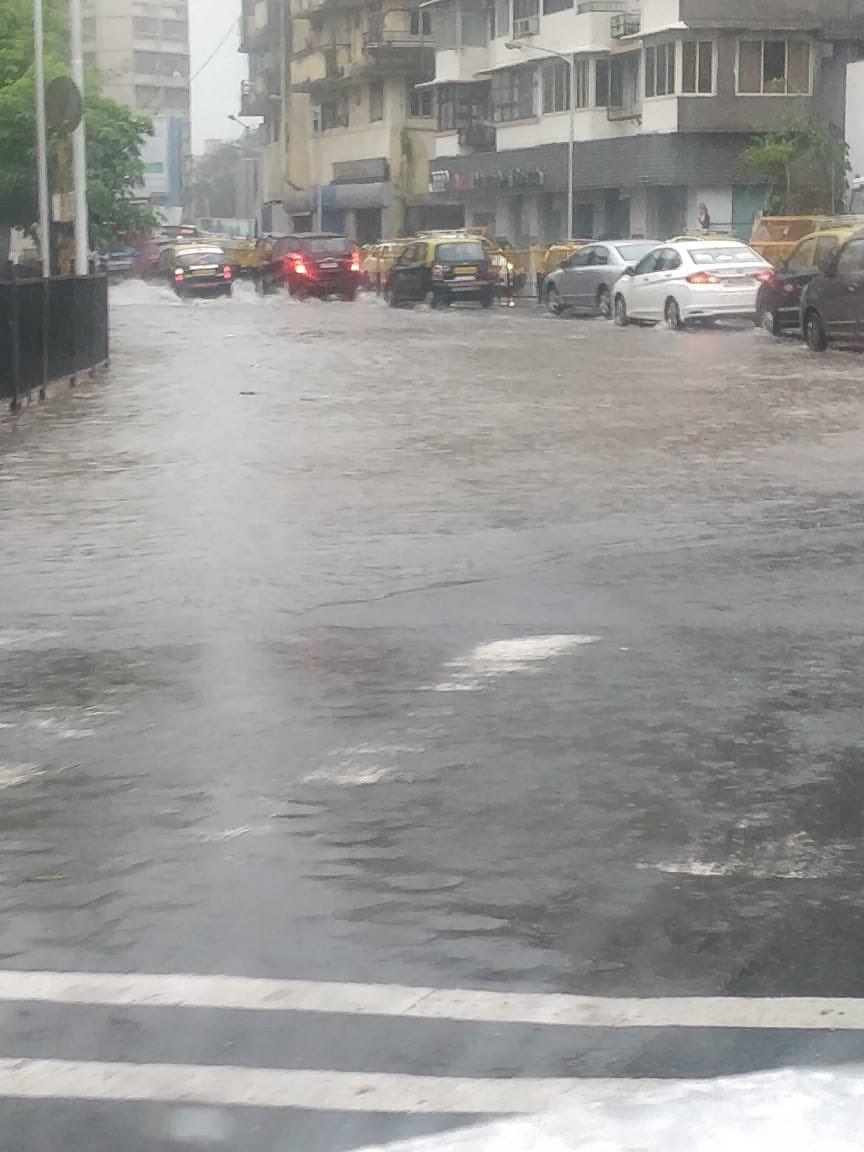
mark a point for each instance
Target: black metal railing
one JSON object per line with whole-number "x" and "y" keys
{"x": 50, "y": 329}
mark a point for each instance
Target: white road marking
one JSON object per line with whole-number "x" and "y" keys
{"x": 295, "y": 1088}
{"x": 250, "y": 994}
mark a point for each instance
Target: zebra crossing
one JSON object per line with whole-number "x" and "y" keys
{"x": 45, "y": 1077}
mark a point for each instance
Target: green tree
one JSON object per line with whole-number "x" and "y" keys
{"x": 806, "y": 164}
{"x": 115, "y": 135}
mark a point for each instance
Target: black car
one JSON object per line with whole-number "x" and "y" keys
{"x": 832, "y": 307}
{"x": 313, "y": 264}
{"x": 441, "y": 270}
{"x": 778, "y": 304}
{"x": 198, "y": 269}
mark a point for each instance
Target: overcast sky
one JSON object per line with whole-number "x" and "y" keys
{"x": 216, "y": 92}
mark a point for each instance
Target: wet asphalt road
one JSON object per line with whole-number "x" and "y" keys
{"x": 458, "y": 650}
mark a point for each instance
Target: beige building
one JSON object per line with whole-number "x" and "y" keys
{"x": 349, "y": 122}
{"x": 141, "y": 50}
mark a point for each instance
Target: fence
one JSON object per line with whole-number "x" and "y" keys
{"x": 50, "y": 329}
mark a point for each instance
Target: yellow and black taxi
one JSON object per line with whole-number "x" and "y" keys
{"x": 441, "y": 269}
{"x": 778, "y": 305}
{"x": 191, "y": 269}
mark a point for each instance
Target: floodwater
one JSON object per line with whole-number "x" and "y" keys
{"x": 458, "y": 650}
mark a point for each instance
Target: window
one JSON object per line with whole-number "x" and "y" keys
{"x": 513, "y": 95}
{"x": 464, "y": 251}
{"x": 421, "y": 22}
{"x": 462, "y": 104}
{"x": 175, "y": 29}
{"x": 724, "y": 254}
{"x": 334, "y": 114}
{"x": 582, "y": 84}
{"x": 851, "y": 258}
{"x": 499, "y": 18}
{"x": 376, "y": 100}
{"x": 579, "y": 259}
{"x": 598, "y": 257}
{"x": 667, "y": 260}
{"x": 556, "y": 84}
{"x": 826, "y": 246}
{"x": 162, "y": 64}
{"x": 550, "y": 6}
{"x": 601, "y": 84}
{"x": 660, "y": 70}
{"x": 802, "y": 258}
{"x": 630, "y": 253}
{"x": 420, "y": 103}
{"x": 774, "y": 67}
{"x": 697, "y": 67}
{"x": 648, "y": 263}
{"x": 155, "y": 169}
{"x": 146, "y": 26}
{"x": 525, "y": 9}
{"x": 177, "y": 98}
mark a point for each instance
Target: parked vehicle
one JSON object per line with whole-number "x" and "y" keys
{"x": 442, "y": 269}
{"x": 776, "y": 237}
{"x": 832, "y": 306}
{"x": 553, "y": 257}
{"x": 313, "y": 264}
{"x": 377, "y": 262}
{"x": 587, "y": 278}
{"x": 691, "y": 283}
{"x": 119, "y": 264}
{"x": 198, "y": 268}
{"x": 778, "y": 304}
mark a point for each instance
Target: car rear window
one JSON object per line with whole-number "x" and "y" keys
{"x": 328, "y": 246}
{"x": 727, "y": 254}
{"x": 633, "y": 253}
{"x": 203, "y": 256}
{"x": 460, "y": 252}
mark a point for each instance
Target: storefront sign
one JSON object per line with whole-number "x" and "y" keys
{"x": 374, "y": 171}
{"x": 443, "y": 181}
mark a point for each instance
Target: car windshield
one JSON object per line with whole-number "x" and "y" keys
{"x": 634, "y": 252}
{"x": 328, "y": 246}
{"x": 458, "y": 251}
{"x": 200, "y": 257}
{"x": 724, "y": 254}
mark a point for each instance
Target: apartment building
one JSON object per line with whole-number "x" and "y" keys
{"x": 667, "y": 93}
{"x": 349, "y": 117}
{"x": 141, "y": 50}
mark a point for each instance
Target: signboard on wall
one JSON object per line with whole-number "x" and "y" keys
{"x": 443, "y": 181}
{"x": 373, "y": 171}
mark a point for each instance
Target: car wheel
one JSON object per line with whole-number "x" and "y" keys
{"x": 439, "y": 300}
{"x": 621, "y": 317}
{"x": 604, "y": 302}
{"x": 814, "y": 332}
{"x": 392, "y": 298}
{"x": 487, "y": 300}
{"x": 771, "y": 323}
{"x": 672, "y": 314}
{"x": 553, "y": 301}
{"x": 349, "y": 294}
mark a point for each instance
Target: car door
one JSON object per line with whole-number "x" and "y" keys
{"x": 568, "y": 282}
{"x": 664, "y": 278}
{"x": 639, "y": 285}
{"x": 643, "y": 292}
{"x": 409, "y": 272}
{"x": 843, "y": 295}
{"x": 591, "y": 275}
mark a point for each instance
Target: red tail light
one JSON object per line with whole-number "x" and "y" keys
{"x": 355, "y": 261}
{"x": 766, "y": 277}
{"x": 438, "y": 272}
{"x": 178, "y": 274}
{"x": 703, "y": 278}
{"x": 300, "y": 268}
{"x": 226, "y": 272}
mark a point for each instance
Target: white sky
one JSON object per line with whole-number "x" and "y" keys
{"x": 216, "y": 92}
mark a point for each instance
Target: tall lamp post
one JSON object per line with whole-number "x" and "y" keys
{"x": 79, "y": 147}
{"x": 570, "y": 60}
{"x": 42, "y": 141}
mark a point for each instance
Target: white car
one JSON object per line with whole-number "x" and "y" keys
{"x": 692, "y": 280}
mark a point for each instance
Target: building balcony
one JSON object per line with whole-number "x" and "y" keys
{"x": 476, "y": 137}
{"x": 321, "y": 70}
{"x": 399, "y": 30}
{"x": 253, "y": 99}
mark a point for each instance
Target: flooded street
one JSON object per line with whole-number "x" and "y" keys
{"x": 420, "y": 650}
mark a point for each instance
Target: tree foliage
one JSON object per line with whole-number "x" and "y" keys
{"x": 115, "y": 135}
{"x": 805, "y": 163}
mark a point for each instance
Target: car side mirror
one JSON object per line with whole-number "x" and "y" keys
{"x": 562, "y": 263}
{"x": 629, "y": 271}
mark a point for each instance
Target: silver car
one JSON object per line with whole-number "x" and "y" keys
{"x": 585, "y": 280}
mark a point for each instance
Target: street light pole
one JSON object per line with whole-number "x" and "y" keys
{"x": 570, "y": 60}
{"x": 79, "y": 147}
{"x": 42, "y": 140}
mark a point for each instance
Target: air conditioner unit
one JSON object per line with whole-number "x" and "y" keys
{"x": 625, "y": 24}
{"x": 526, "y": 26}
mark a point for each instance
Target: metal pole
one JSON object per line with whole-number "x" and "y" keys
{"x": 570, "y": 147}
{"x": 79, "y": 148}
{"x": 42, "y": 140}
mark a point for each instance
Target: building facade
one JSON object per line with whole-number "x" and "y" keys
{"x": 667, "y": 94}
{"x": 141, "y": 50}
{"x": 349, "y": 119}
